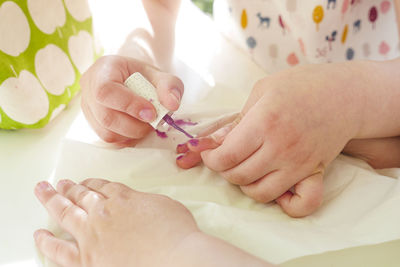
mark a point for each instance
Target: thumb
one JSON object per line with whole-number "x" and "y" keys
{"x": 169, "y": 90}
{"x": 212, "y": 141}
{"x": 307, "y": 196}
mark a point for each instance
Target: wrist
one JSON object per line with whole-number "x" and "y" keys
{"x": 379, "y": 83}
{"x": 199, "y": 249}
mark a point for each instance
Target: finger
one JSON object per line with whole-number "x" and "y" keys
{"x": 67, "y": 214}
{"x": 188, "y": 160}
{"x": 259, "y": 90}
{"x": 169, "y": 89}
{"x": 79, "y": 194}
{"x": 257, "y": 165}
{"x": 202, "y": 144}
{"x": 236, "y": 146}
{"x": 116, "y": 96}
{"x": 106, "y": 188}
{"x": 129, "y": 143}
{"x": 64, "y": 253}
{"x": 206, "y": 143}
{"x": 307, "y": 196}
{"x": 269, "y": 187}
{"x": 106, "y": 135}
{"x": 112, "y": 92}
{"x": 182, "y": 148}
{"x": 218, "y": 125}
{"x": 120, "y": 123}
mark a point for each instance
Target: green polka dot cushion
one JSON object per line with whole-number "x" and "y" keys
{"x": 45, "y": 46}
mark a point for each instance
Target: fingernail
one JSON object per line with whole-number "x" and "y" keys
{"x": 42, "y": 186}
{"x": 64, "y": 182}
{"x": 194, "y": 142}
{"x": 36, "y": 234}
{"x": 146, "y": 115}
{"x": 176, "y": 94}
{"x": 221, "y": 133}
{"x": 182, "y": 148}
{"x": 180, "y": 157}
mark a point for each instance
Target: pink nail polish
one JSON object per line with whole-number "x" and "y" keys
{"x": 194, "y": 142}
{"x": 182, "y": 148}
{"x": 180, "y": 157}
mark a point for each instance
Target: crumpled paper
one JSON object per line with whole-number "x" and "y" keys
{"x": 360, "y": 206}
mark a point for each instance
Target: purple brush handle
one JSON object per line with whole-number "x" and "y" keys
{"x": 170, "y": 121}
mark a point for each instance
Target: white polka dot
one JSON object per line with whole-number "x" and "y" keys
{"x": 47, "y": 14}
{"x": 81, "y": 50}
{"x": 23, "y": 99}
{"x": 79, "y": 9}
{"x": 14, "y": 29}
{"x": 57, "y": 111}
{"x": 54, "y": 69}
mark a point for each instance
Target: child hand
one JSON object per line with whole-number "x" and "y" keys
{"x": 115, "y": 113}
{"x": 293, "y": 125}
{"x": 112, "y": 225}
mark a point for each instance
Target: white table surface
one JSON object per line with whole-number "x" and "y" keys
{"x": 26, "y": 157}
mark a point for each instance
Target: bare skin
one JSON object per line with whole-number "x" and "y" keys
{"x": 115, "y": 114}
{"x": 278, "y": 142}
{"x": 113, "y": 225}
{"x": 291, "y": 128}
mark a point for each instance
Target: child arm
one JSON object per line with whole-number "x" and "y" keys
{"x": 397, "y": 6}
{"x": 162, "y": 15}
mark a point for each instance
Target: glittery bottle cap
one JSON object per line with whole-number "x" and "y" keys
{"x": 142, "y": 87}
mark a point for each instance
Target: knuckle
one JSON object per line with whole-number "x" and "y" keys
{"x": 81, "y": 196}
{"x": 230, "y": 158}
{"x": 179, "y": 83}
{"x": 235, "y": 177}
{"x": 218, "y": 162}
{"x": 88, "y": 259}
{"x": 87, "y": 181}
{"x": 212, "y": 164}
{"x": 102, "y": 92}
{"x": 64, "y": 213}
{"x": 141, "y": 131}
{"x": 58, "y": 250}
{"x": 111, "y": 187}
{"x": 261, "y": 196}
{"x": 107, "y": 136}
{"x": 135, "y": 66}
{"x": 131, "y": 107}
{"x": 124, "y": 194}
{"x": 107, "y": 119}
